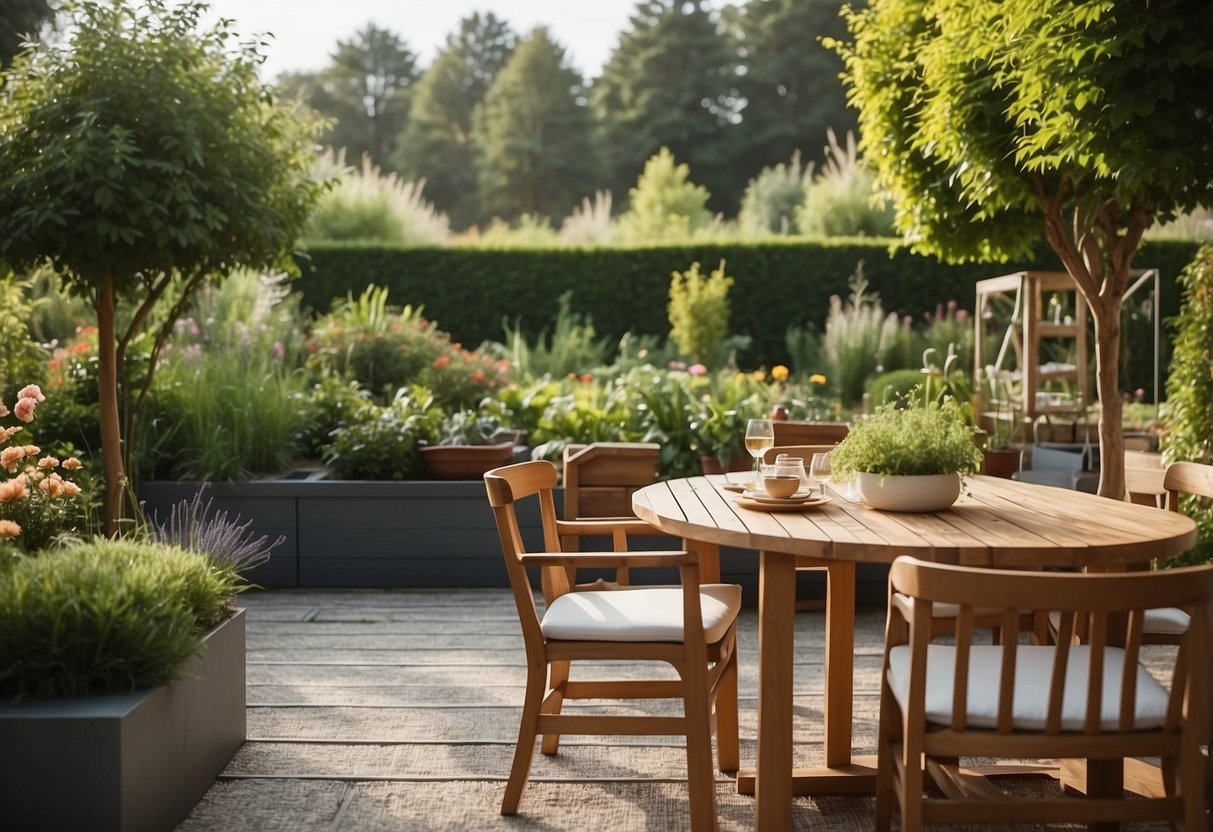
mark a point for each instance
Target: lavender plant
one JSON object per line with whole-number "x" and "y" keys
{"x": 191, "y": 525}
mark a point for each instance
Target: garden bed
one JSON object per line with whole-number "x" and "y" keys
{"x": 128, "y": 761}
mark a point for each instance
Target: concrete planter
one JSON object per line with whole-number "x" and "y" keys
{"x": 127, "y": 762}
{"x": 931, "y": 492}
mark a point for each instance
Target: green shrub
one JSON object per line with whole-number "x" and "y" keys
{"x": 665, "y": 205}
{"x": 571, "y": 347}
{"x": 367, "y": 204}
{"x": 105, "y": 617}
{"x": 22, "y": 360}
{"x": 385, "y": 349}
{"x": 772, "y": 198}
{"x": 839, "y": 201}
{"x": 1189, "y": 406}
{"x": 894, "y": 386}
{"x": 857, "y": 339}
{"x": 699, "y": 311}
{"x": 379, "y": 442}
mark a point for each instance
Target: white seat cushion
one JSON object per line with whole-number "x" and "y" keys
{"x": 640, "y": 614}
{"x": 1033, "y": 673}
{"x": 1170, "y": 621}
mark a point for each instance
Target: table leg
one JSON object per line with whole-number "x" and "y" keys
{"x": 776, "y": 609}
{"x": 839, "y": 662}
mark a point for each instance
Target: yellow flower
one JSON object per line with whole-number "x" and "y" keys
{"x": 817, "y": 378}
{"x": 779, "y": 372}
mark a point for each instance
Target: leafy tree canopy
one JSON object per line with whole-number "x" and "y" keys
{"x": 1085, "y": 120}
{"x": 672, "y": 82}
{"x": 364, "y": 91}
{"x": 534, "y": 132}
{"x": 436, "y": 143}
{"x": 139, "y": 157}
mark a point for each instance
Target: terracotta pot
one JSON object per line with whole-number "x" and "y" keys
{"x": 711, "y": 465}
{"x": 465, "y": 462}
{"x": 1002, "y": 463}
{"x": 929, "y": 492}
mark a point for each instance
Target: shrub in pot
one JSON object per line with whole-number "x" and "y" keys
{"x": 468, "y": 445}
{"x": 923, "y": 440}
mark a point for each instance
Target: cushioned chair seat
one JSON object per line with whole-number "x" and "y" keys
{"x": 642, "y": 614}
{"x": 1170, "y": 621}
{"x": 1033, "y": 672}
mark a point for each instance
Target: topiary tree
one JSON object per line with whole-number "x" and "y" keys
{"x": 140, "y": 157}
{"x": 1086, "y": 121}
{"x": 665, "y": 204}
{"x": 1190, "y": 392}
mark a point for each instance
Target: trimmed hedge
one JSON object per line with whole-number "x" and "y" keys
{"x": 470, "y": 291}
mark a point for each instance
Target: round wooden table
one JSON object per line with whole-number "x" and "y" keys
{"x": 995, "y": 523}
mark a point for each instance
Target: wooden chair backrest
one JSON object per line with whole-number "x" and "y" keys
{"x": 600, "y": 478}
{"x": 1187, "y": 478}
{"x": 788, "y": 432}
{"x": 1103, "y": 600}
{"x": 804, "y": 452}
{"x": 1144, "y": 474}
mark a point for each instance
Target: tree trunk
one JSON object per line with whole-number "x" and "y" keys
{"x": 1106, "y": 315}
{"x": 107, "y": 398}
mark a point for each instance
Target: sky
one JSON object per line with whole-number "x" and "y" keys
{"x": 306, "y": 31}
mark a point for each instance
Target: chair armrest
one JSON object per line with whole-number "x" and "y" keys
{"x": 592, "y": 559}
{"x": 903, "y": 605}
{"x": 588, "y": 528}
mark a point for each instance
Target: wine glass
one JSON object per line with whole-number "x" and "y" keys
{"x": 819, "y": 469}
{"x": 759, "y": 435}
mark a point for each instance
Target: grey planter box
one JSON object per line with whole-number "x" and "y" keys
{"x": 125, "y": 762}
{"x": 421, "y": 533}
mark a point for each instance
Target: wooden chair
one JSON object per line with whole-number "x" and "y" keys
{"x": 1144, "y": 475}
{"x": 599, "y": 480}
{"x": 692, "y": 627}
{"x": 940, "y": 703}
{"x": 791, "y": 432}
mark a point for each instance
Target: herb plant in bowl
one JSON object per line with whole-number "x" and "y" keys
{"x": 909, "y": 459}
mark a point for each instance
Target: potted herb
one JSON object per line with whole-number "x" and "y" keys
{"x": 911, "y": 458}
{"x": 999, "y": 457}
{"x": 468, "y": 445}
{"x": 718, "y": 434}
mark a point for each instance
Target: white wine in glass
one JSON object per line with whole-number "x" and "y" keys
{"x": 759, "y": 435}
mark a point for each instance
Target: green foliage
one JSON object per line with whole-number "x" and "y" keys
{"x": 105, "y": 617}
{"x": 22, "y": 360}
{"x": 699, "y": 310}
{"x": 1189, "y": 406}
{"x": 469, "y": 427}
{"x": 571, "y": 348}
{"x": 228, "y": 402}
{"x": 367, "y": 204}
{"x": 17, "y": 19}
{"x": 436, "y": 145}
{"x": 385, "y": 350}
{"x": 915, "y": 440}
{"x": 790, "y": 86}
{"x": 670, "y": 82}
{"x": 364, "y": 92}
{"x": 838, "y": 202}
{"x": 533, "y": 133}
{"x": 328, "y": 404}
{"x": 894, "y": 386}
{"x": 379, "y": 442}
{"x": 665, "y": 205}
{"x": 857, "y": 338}
{"x": 771, "y": 200}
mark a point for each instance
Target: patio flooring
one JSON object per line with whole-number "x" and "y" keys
{"x": 375, "y": 709}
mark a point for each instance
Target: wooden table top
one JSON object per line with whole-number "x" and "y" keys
{"x": 996, "y": 522}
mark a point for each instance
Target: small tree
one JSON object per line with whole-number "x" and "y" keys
{"x": 140, "y": 157}
{"x": 992, "y": 123}
{"x": 699, "y": 310}
{"x": 665, "y": 204}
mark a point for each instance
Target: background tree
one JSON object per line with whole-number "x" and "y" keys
{"x": 791, "y": 88}
{"x": 665, "y": 205}
{"x": 140, "y": 157}
{"x": 364, "y": 91}
{"x": 436, "y": 143}
{"x": 534, "y": 134}
{"x": 19, "y": 18}
{"x": 671, "y": 82}
{"x": 992, "y": 123}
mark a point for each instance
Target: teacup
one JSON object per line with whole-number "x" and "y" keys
{"x": 780, "y": 487}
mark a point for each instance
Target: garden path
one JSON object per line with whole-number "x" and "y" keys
{"x": 398, "y": 710}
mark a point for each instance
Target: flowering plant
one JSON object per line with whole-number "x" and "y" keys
{"x": 37, "y": 502}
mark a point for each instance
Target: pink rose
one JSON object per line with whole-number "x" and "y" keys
{"x": 31, "y": 391}
{"x": 9, "y": 529}
{"x": 48, "y": 462}
{"x": 71, "y": 463}
{"x": 13, "y": 490}
{"x": 697, "y": 370}
{"x": 70, "y": 489}
{"x": 9, "y": 458}
{"x": 4, "y": 411}
{"x": 24, "y": 409}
